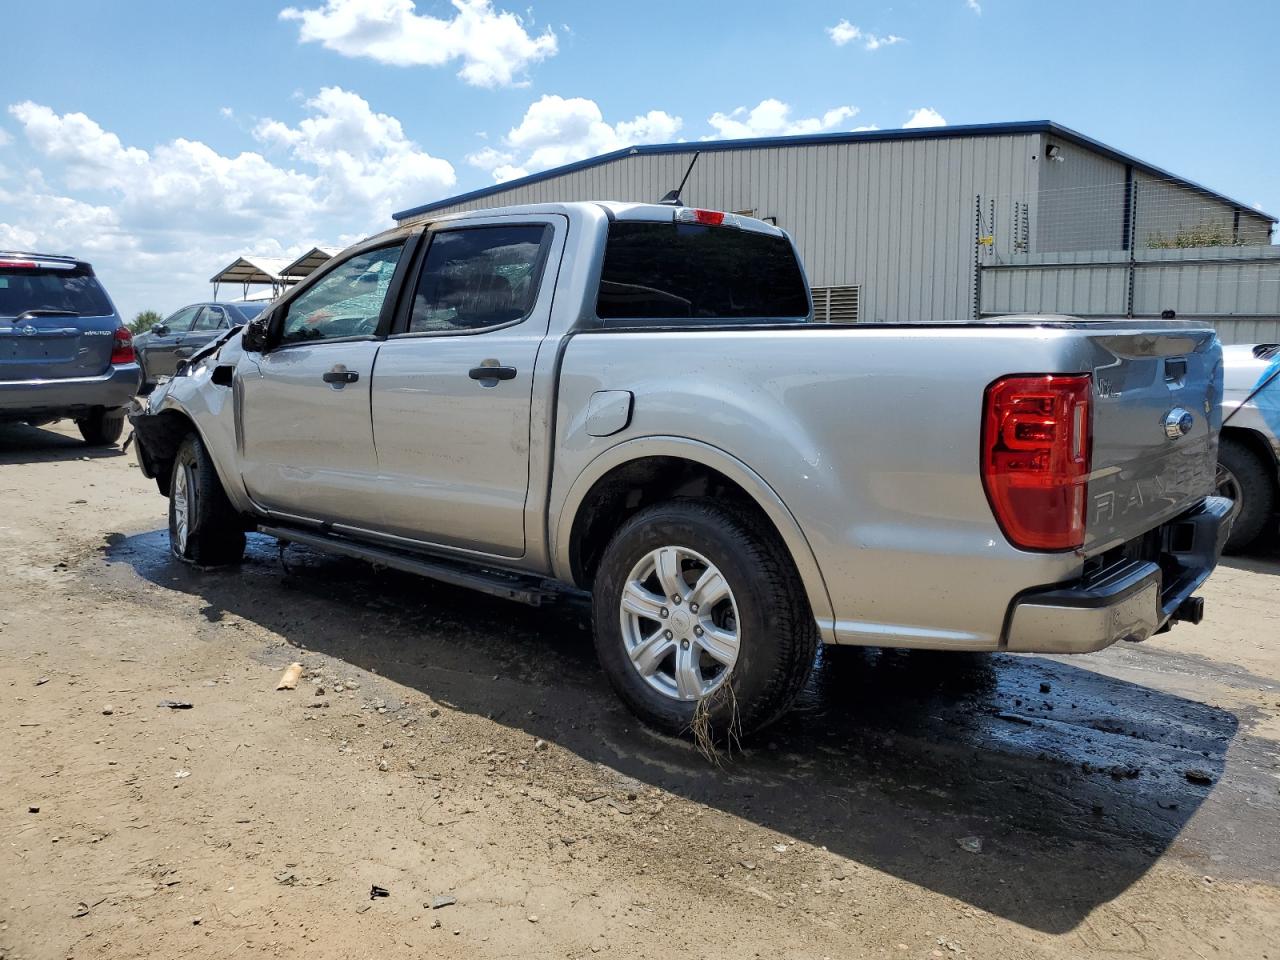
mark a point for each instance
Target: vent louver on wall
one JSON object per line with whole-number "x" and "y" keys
{"x": 836, "y": 304}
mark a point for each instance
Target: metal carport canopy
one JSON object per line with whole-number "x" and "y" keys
{"x": 308, "y": 262}
{"x": 246, "y": 270}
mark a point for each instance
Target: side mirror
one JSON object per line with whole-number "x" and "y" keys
{"x": 257, "y": 334}
{"x": 160, "y": 330}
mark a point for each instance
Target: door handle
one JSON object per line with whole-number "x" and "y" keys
{"x": 340, "y": 376}
{"x": 494, "y": 372}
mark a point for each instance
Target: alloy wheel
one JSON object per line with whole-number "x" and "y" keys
{"x": 679, "y": 623}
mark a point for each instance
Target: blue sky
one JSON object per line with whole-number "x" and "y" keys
{"x": 162, "y": 139}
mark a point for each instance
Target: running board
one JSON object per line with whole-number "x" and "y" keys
{"x": 509, "y": 586}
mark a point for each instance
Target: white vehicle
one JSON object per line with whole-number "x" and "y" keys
{"x": 1249, "y": 450}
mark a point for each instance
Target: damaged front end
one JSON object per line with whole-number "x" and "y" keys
{"x": 198, "y": 392}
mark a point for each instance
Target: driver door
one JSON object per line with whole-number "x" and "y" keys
{"x": 305, "y": 428}
{"x": 209, "y": 324}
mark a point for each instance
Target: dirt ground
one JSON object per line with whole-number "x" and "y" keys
{"x": 446, "y": 745}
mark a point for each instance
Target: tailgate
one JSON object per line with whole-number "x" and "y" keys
{"x": 1155, "y": 430}
{"x": 55, "y": 319}
{"x": 53, "y": 348}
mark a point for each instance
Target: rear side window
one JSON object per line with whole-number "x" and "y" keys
{"x": 244, "y": 312}
{"x": 686, "y": 271}
{"x": 73, "y": 291}
{"x": 478, "y": 277}
{"x": 211, "y": 318}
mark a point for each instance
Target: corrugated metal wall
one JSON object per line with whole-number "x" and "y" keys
{"x": 896, "y": 218}
{"x": 1238, "y": 288}
{"x": 1245, "y": 330}
{"x": 1081, "y": 201}
{"x": 893, "y": 217}
{"x": 1170, "y": 214}
{"x": 1086, "y": 283}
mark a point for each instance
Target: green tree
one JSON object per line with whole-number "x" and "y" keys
{"x": 144, "y": 321}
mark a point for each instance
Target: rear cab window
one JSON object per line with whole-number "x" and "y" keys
{"x": 70, "y": 290}
{"x": 673, "y": 273}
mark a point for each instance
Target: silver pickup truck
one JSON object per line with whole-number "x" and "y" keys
{"x": 633, "y": 400}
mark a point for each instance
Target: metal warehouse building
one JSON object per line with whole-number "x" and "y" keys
{"x": 952, "y": 223}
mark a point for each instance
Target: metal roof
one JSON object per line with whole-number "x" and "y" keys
{"x": 305, "y": 264}
{"x": 252, "y": 269}
{"x": 866, "y": 136}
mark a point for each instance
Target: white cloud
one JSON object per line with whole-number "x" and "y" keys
{"x": 845, "y": 32}
{"x": 974, "y": 5}
{"x": 489, "y": 158}
{"x": 158, "y": 222}
{"x": 924, "y": 117}
{"x": 557, "y": 130}
{"x": 364, "y": 159}
{"x": 875, "y": 43}
{"x": 493, "y": 46}
{"x": 508, "y": 171}
{"x": 498, "y": 163}
{"x": 57, "y": 224}
{"x": 772, "y": 118}
{"x": 13, "y": 237}
{"x": 4, "y": 137}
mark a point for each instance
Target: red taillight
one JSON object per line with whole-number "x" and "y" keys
{"x": 25, "y": 264}
{"x": 122, "y": 346}
{"x": 1036, "y": 449}
{"x": 710, "y": 218}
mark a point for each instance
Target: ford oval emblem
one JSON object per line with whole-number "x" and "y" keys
{"x": 1178, "y": 423}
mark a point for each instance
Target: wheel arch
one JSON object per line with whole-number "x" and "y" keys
{"x": 641, "y": 471}
{"x": 1256, "y": 442}
{"x": 1261, "y": 447}
{"x": 161, "y": 433}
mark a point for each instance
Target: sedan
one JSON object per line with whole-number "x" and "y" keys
{"x": 177, "y": 337}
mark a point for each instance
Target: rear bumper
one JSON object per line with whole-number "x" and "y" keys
{"x": 1130, "y": 598}
{"x": 20, "y": 399}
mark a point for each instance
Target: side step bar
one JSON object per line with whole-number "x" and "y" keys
{"x": 509, "y": 586}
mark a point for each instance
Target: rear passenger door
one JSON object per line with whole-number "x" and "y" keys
{"x": 210, "y": 322}
{"x": 160, "y": 355}
{"x": 454, "y": 383}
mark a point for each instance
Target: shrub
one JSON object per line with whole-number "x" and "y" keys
{"x": 144, "y": 321}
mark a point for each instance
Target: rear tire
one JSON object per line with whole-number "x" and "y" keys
{"x": 204, "y": 528}
{"x": 103, "y": 426}
{"x": 772, "y": 632}
{"x": 1245, "y": 477}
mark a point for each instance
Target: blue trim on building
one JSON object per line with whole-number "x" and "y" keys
{"x": 817, "y": 139}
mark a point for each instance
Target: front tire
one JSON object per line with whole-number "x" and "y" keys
{"x": 699, "y": 613}
{"x": 1246, "y": 479}
{"x": 102, "y": 427}
{"x": 204, "y": 529}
